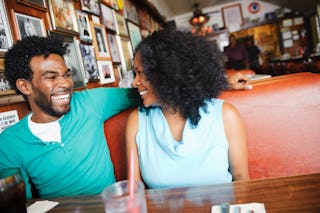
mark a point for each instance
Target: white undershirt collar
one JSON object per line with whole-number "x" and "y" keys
{"x": 47, "y": 132}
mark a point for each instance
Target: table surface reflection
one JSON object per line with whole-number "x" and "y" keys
{"x": 284, "y": 194}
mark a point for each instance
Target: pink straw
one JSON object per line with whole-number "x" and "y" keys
{"x": 131, "y": 175}
{"x": 131, "y": 184}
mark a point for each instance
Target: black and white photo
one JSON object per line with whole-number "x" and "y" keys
{"x": 100, "y": 42}
{"x": 29, "y": 26}
{"x": 114, "y": 49}
{"x": 4, "y": 84}
{"x": 5, "y": 33}
{"x": 73, "y": 61}
{"x": 89, "y": 62}
{"x": 91, "y": 6}
{"x": 84, "y": 26}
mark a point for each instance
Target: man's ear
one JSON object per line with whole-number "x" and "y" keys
{"x": 24, "y": 86}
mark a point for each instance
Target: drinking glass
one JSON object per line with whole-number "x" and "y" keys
{"x": 116, "y": 198}
{"x": 12, "y": 191}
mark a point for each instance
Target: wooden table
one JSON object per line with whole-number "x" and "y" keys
{"x": 285, "y": 194}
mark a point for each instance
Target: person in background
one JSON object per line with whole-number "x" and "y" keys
{"x": 253, "y": 54}
{"x": 60, "y": 146}
{"x": 236, "y": 53}
{"x": 183, "y": 135}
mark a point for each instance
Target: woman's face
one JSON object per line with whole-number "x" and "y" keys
{"x": 144, "y": 87}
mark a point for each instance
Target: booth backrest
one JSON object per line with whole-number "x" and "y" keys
{"x": 114, "y": 129}
{"x": 282, "y": 119}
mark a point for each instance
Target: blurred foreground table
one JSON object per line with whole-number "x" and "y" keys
{"x": 285, "y": 194}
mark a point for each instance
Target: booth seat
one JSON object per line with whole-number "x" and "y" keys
{"x": 282, "y": 119}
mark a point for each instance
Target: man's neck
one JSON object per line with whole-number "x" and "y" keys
{"x": 43, "y": 118}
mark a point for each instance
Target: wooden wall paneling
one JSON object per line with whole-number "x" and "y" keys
{"x": 22, "y": 108}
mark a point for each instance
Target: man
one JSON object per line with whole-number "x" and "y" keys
{"x": 253, "y": 54}
{"x": 60, "y": 146}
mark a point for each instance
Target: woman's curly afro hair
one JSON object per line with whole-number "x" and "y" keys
{"x": 183, "y": 69}
{"x": 18, "y": 57}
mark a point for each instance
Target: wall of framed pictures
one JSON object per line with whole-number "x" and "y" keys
{"x": 102, "y": 35}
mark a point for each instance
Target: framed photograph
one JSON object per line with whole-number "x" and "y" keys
{"x": 121, "y": 25}
{"x": 84, "y": 26}
{"x": 91, "y": 6}
{"x": 5, "y": 33}
{"x": 114, "y": 49}
{"x": 38, "y": 4}
{"x": 73, "y": 58}
{"x": 106, "y": 72}
{"x": 108, "y": 19}
{"x": 5, "y": 88}
{"x": 89, "y": 62}
{"x": 126, "y": 54}
{"x": 134, "y": 34}
{"x": 232, "y": 15}
{"x": 100, "y": 42}
{"x": 63, "y": 16}
{"x": 130, "y": 11}
{"x": 29, "y": 26}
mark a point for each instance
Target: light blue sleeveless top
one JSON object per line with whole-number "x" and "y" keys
{"x": 200, "y": 158}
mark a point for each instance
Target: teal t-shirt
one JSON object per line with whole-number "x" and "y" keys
{"x": 81, "y": 163}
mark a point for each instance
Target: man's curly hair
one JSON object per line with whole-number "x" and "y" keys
{"x": 18, "y": 57}
{"x": 183, "y": 69}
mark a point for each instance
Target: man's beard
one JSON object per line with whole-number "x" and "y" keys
{"x": 47, "y": 107}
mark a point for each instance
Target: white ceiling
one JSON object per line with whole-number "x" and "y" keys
{"x": 170, "y": 8}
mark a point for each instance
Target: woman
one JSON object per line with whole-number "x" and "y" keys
{"x": 236, "y": 54}
{"x": 183, "y": 135}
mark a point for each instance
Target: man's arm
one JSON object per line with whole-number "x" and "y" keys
{"x": 109, "y": 101}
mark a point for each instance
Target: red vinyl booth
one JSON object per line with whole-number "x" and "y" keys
{"x": 282, "y": 119}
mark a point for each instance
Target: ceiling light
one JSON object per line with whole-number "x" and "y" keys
{"x": 198, "y": 17}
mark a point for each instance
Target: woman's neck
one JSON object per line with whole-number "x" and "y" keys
{"x": 176, "y": 122}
